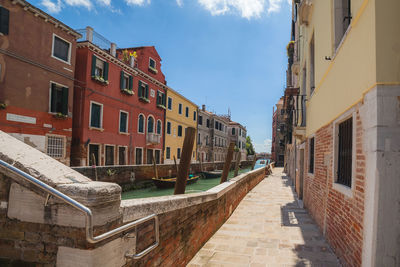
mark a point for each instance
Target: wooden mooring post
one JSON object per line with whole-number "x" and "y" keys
{"x": 184, "y": 164}
{"x": 155, "y": 167}
{"x": 237, "y": 162}
{"x": 227, "y": 164}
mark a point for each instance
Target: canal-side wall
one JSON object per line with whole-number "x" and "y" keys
{"x": 187, "y": 221}
{"x": 135, "y": 174}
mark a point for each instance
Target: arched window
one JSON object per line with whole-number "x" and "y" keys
{"x": 141, "y": 124}
{"x": 150, "y": 124}
{"x": 158, "y": 127}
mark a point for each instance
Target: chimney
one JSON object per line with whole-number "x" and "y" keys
{"x": 132, "y": 61}
{"x": 203, "y": 107}
{"x": 113, "y": 49}
{"x": 89, "y": 34}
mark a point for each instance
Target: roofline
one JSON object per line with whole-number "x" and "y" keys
{"x": 47, "y": 18}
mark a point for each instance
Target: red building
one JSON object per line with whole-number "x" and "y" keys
{"x": 37, "y": 64}
{"x": 119, "y": 110}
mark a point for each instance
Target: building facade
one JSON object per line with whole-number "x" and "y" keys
{"x": 119, "y": 108}
{"x": 220, "y": 137}
{"x": 180, "y": 114}
{"x": 346, "y": 125}
{"x": 36, "y": 95}
{"x": 237, "y": 134}
{"x": 278, "y": 138}
{"x": 204, "y": 135}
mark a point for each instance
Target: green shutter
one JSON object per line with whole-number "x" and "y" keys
{"x": 121, "y": 85}
{"x": 130, "y": 82}
{"x": 105, "y": 76}
{"x": 64, "y": 101}
{"x": 147, "y": 91}
{"x": 140, "y": 89}
{"x": 158, "y": 94}
{"x": 163, "y": 100}
{"x": 53, "y": 107}
{"x": 93, "y": 65}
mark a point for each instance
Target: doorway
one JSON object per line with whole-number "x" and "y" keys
{"x": 301, "y": 173}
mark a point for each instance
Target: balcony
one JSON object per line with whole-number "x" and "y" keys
{"x": 153, "y": 139}
{"x": 299, "y": 132}
{"x": 305, "y": 11}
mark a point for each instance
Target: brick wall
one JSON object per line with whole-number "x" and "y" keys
{"x": 339, "y": 216}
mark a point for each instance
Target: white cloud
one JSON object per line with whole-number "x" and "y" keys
{"x": 246, "y": 8}
{"x": 275, "y": 5}
{"x": 83, "y": 3}
{"x": 51, "y": 6}
{"x": 179, "y": 3}
{"x": 105, "y": 2}
{"x": 137, "y": 2}
{"x": 264, "y": 147}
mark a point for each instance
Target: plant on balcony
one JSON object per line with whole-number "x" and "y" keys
{"x": 110, "y": 172}
{"x": 127, "y": 91}
{"x": 290, "y": 52}
{"x": 59, "y": 115}
{"x": 3, "y": 105}
{"x": 144, "y": 99}
{"x": 100, "y": 79}
{"x": 153, "y": 70}
{"x": 161, "y": 106}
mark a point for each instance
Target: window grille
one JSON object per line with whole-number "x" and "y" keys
{"x": 311, "y": 163}
{"x": 345, "y": 139}
{"x": 55, "y": 146}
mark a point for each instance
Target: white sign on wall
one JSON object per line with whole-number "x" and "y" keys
{"x": 152, "y": 93}
{"x": 20, "y": 118}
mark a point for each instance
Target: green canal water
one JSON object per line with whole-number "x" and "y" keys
{"x": 200, "y": 186}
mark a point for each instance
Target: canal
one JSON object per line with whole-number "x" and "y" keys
{"x": 200, "y": 186}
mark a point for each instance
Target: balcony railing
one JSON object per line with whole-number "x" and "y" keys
{"x": 153, "y": 138}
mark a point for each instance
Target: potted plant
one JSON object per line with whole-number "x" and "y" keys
{"x": 127, "y": 91}
{"x": 3, "y": 105}
{"x": 144, "y": 99}
{"x": 100, "y": 79}
{"x": 59, "y": 115}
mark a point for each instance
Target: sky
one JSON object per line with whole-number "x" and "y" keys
{"x": 226, "y": 54}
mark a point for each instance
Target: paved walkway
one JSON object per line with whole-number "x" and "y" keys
{"x": 268, "y": 228}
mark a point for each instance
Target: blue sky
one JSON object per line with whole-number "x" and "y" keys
{"x": 222, "y": 53}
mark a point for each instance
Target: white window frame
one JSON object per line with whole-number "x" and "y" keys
{"x": 154, "y": 154}
{"x": 59, "y": 84}
{"x": 348, "y": 191}
{"x": 105, "y": 154}
{"x": 64, "y": 144}
{"x": 155, "y": 63}
{"x": 171, "y": 103}
{"x": 308, "y": 156}
{"x": 101, "y": 116}
{"x": 144, "y": 124}
{"x": 69, "y": 49}
{"x": 158, "y": 120}
{"x": 138, "y": 147}
{"x": 127, "y": 122}
{"x": 126, "y": 155}
{"x": 99, "y": 153}
{"x": 170, "y": 128}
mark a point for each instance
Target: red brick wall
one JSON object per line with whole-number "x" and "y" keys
{"x": 340, "y": 217}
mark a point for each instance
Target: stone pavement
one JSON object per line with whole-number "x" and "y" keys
{"x": 268, "y": 228}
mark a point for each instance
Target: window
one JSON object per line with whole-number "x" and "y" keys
{"x": 99, "y": 70}
{"x": 126, "y": 81}
{"x": 311, "y": 157}
{"x": 141, "y": 124}
{"x": 199, "y": 139}
{"x": 152, "y": 65}
{"x": 208, "y": 123}
{"x": 169, "y": 103}
{"x": 96, "y": 114}
{"x": 150, "y": 124}
{"x": 187, "y": 112}
{"x": 109, "y": 155}
{"x": 61, "y": 49}
{"x": 200, "y": 120}
{"x": 343, "y": 18}
{"x": 180, "y": 108}
{"x": 58, "y": 99}
{"x": 4, "y": 20}
{"x": 122, "y": 155}
{"x": 161, "y": 99}
{"x": 179, "y": 130}
{"x": 138, "y": 156}
{"x": 168, "y": 127}
{"x": 344, "y": 152}
{"x": 312, "y": 68}
{"x": 150, "y": 156}
{"x": 94, "y": 151}
{"x": 157, "y": 155}
{"x": 167, "y": 152}
{"x": 123, "y": 122}
{"x": 158, "y": 127}
{"x": 216, "y": 125}
{"x": 178, "y": 154}
{"x": 55, "y": 146}
{"x": 194, "y": 115}
{"x": 233, "y": 131}
{"x": 143, "y": 91}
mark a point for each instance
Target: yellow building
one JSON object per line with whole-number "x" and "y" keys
{"x": 180, "y": 114}
{"x": 346, "y": 64}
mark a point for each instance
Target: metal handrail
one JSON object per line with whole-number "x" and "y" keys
{"x": 88, "y": 213}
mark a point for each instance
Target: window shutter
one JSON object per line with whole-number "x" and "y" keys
{"x": 147, "y": 91}
{"x": 93, "y": 65}
{"x": 140, "y": 89}
{"x": 53, "y": 107}
{"x": 121, "y": 84}
{"x": 105, "y": 71}
{"x": 4, "y": 20}
{"x": 163, "y": 99}
{"x": 130, "y": 82}
{"x": 64, "y": 101}
{"x": 157, "y": 98}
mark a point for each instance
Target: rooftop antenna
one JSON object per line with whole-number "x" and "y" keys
{"x": 229, "y": 113}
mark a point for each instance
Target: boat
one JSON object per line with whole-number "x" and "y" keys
{"x": 211, "y": 174}
{"x": 170, "y": 182}
{"x": 262, "y": 162}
